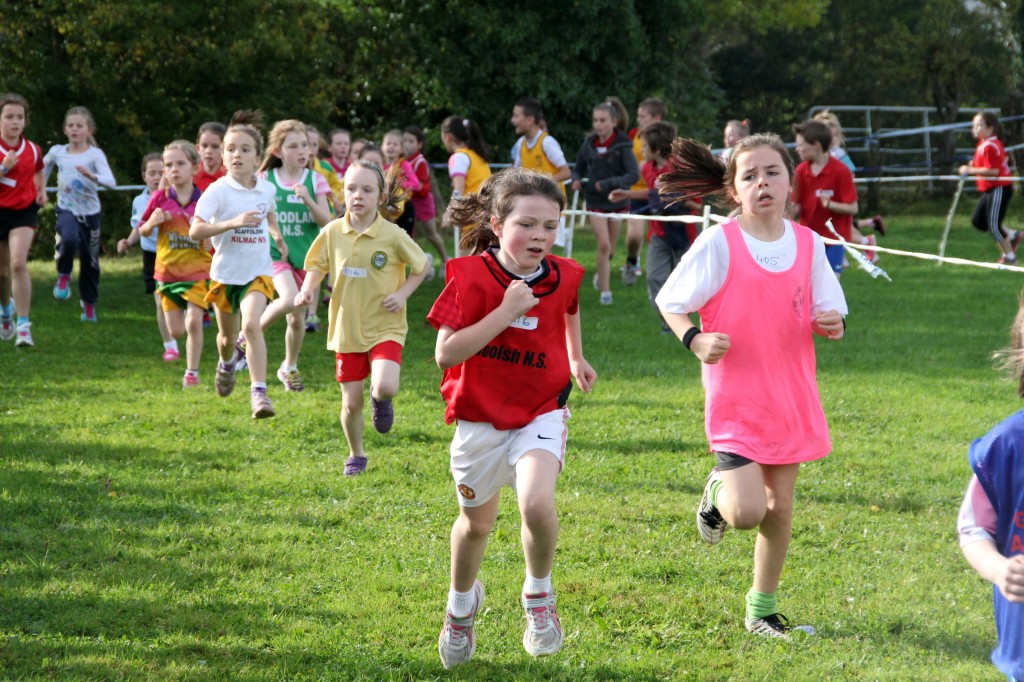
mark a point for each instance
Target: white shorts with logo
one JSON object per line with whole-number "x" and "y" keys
{"x": 483, "y": 459}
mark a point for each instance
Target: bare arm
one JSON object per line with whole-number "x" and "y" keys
{"x": 455, "y": 347}
{"x": 710, "y": 347}
{"x": 840, "y": 208}
{"x": 582, "y": 371}
{"x": 562, "y": 174}
{"x": 1006, "y": 573}
{"x": 396, "y": 301}
{"x": 310, "y": 287}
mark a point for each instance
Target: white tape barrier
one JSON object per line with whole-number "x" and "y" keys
{"x": 708, "y": 216}
{"x": 925, "y": 178}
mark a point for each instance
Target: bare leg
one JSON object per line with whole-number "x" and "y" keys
{"x": 469, "y": 540}
{"x": 227, "y": 334}
{"x": 161, "y": 319}
{"x": 352, "y": 416}
{"x": 384, "y": 376}
{"x": 774, "y": 533}
{"x": 194, "y": 344}
{"x": 253, "y": 305}
{"x": 536, "y": 475}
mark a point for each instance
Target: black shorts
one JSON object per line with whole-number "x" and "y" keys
{"x": 17, "y": 217}
{"x": 407, "y": 221}
{"x": 148, "y": 268}
{"x": 727, "y": 461}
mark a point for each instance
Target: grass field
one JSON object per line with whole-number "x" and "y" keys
{"x": 147, "y": 533}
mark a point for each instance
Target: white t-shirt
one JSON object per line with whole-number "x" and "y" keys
{"x": 703, "y": 269}
{"x": 242, "y": 254}
{"x": 551, "y": 148}
{"x": 139, "y": 204}
{"x": 75, "y": 192}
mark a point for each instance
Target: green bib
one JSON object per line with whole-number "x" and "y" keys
{"x": 298, "y": 228}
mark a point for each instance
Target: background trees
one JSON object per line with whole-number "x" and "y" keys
{"x": 153, "y": 71}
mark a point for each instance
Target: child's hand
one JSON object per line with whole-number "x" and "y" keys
{"x": 617, "y": 195}
{"x": 122, "y": 246}
{"x": 41, "y": 197}
{"x": 576, "y": 184}
{"x": 828, "y": 323}
{"x": 283, "y": 248}
{"x": 302, "y": 193}
{"x": 710, "y": 347}
{"x": 303, "y": 298}
{"x": 518, "y": 300}
{"x": 86, "y": 172}
{"x": 247, "y": 219}
{"x": 394, "y": 302}
{"x": 964, "y": 170}
{"x": 584, "y": 374}
{"x": 1011, "y": 580}
{"x": 10, "y": 160}
{"x": 159, "y": 217}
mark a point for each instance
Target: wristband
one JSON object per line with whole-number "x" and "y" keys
{"x": 688, "y": 336}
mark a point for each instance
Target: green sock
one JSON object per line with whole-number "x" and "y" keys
{"x": 715, "y": 487}
{"x": 761, "y": 604}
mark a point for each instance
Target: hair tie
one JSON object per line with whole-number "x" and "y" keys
{"x": 745, "y": 122}
{"x": 465, "y": 123}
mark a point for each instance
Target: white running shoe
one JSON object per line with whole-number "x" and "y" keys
{"x": 24, "y": 335}
{"x": 709, "y": 520}
{"x": 543, "y": 635}
{"x": 457, "y": 641}
{"x": 6, "y": 328}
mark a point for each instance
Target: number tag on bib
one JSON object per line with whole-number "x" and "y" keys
{"x": 354, "y": 272}
{"x": 527, "y": 323}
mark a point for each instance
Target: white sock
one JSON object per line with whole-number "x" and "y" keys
{"x": 865, "y": 240}
{"x": 537, "y": 585}
{"x": 258, "y": 384}
{"x": 460, "y": 604}
{"x": 193, "y": 372}
{"x": 290, "y": 368}
{"x": 171, "y": 345}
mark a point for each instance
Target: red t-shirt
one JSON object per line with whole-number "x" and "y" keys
{"x": 202, "y": 179}
{"x": 422, "y": 168}
{"x": 990, "y": 154}
{"x": 835, "y": 181}
{"x": 18, "y": 188}
{"x": 523, "y": 371}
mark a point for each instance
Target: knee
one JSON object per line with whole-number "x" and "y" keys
{"x": 779, "y": 510}
{"x": 475, "y": 529}
{"x": 19, "y": 266}
{"x": 604, "y": 248}
{"x": 296, "y": 320}
{"x": 537, "y": 512}
{"x": 194, "y": 325}
{"x": 386, "y": 388}
{"x": 252, "y": 329}
{"x": 351, "y": 406}
{"x": 744, "y": 514}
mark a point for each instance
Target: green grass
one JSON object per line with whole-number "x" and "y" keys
{"x": 148, "y": 533}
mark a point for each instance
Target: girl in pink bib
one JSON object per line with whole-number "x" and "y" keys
{"x": 763, "y": 287}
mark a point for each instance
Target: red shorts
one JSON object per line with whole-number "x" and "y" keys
{"x": 281, "y": 266}
{"x": 356, "y": 366}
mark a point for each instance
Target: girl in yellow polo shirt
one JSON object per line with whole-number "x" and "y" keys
{"x": 365, "y": 256}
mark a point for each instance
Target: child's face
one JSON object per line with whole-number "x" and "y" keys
{"x": 527, "y": 233}
{"x": 761, "y": 185}
{"x": 807, "y": 151}
{"x": 449, "y": 141}
{"x": 178, "y": 169}
{"x": 211, "y": 150}
{"x": 603, "y": 123}
{"x": 341, "y": 144}
{"x": 362, "y": 192}
{"x": 314, "y": 143}
{"x": 240, "y": 155}
{"x": 648, "y": 153}
{"x": 979, "y": 129}
{"x": 294, "y": 151}
{"x": 357, "y": 148}
{"x": 644, "y": 118}
{"x": 12, "y": 121}
{"x": 77, "y": 129}
{"x": 391, "y": 145}
{"x": 152, "y": 173}
{"x": 520, "y": 121}
{"x": 731, "y": 136}
{"x": 410, "y": 145}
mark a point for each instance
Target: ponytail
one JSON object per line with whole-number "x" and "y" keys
{"x": 616, "y": 110}
{"x": 467, "y": 132}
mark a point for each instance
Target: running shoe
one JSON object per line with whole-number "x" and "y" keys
{"x": 871, "y": 254}
{"x": 879, "y": 225}
{"x": 457, "y": 641}
{"x": 629, "y": 275}
{"x": 312, "y": 324}
{"x": 24, "y": 335}
{"x": 775, "y": 625}
{"x": 431, "y": 272}
{"x": 207, "y": 322}
{"x": 355, "y": 466}
{"x": 88, "y": 312}
{"x": 606, "y": 298}
{"x": 709, "y": 520}
{"x": 292, "y": 380}
{"x": 543, "y": 635}
{"x": 383, "y": 414}
{"x": 225, "y": 379}
{"x": 1015, "y": 240}
{"x": 240, "y": 349}
{"x": 6, "y": 328}
{"x": 189, "y": 380}
{"x": 170, "y": 355}
{"x": 597, "y": 282}
{"x": 62, "y": 289}
{"x": 1007, "y": 259}
{"x": 262, "y": 406}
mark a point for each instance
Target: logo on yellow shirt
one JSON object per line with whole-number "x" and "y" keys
{"x": 379, "y": 260}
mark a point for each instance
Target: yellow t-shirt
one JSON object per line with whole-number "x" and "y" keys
{"x": 638, "y": 152}
{"x": 364, "y": 268}
{"x": 535, "y": 159}
{"x": 478, "y": 170}
{"x": 333, "y": 181}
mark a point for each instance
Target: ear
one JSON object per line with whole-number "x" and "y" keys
{"x": 496, "y": 226}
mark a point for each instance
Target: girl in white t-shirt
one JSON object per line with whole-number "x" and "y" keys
{"x": 238, "y": 213}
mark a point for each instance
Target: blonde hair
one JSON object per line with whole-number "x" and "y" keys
{"x": 393, "y": 195}
{"x": 497, "y": 197}
{"x": 186, "y": 148}
{"x": 276, "y": 138}
{"x": 833, "y": 122}
{"x": 89, "y": 121}
{"x": 1011, "y": 359}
